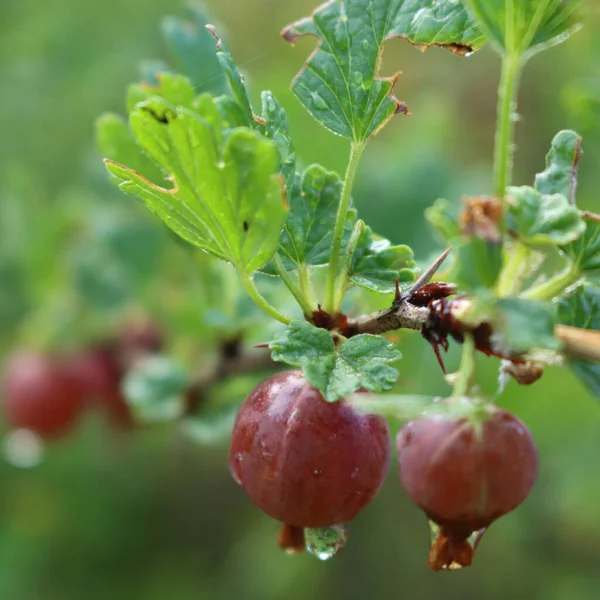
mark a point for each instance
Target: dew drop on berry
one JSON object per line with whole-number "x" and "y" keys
{"x": 325, "y": 542}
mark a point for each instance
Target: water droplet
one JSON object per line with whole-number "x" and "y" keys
{"x": 325, "y": 542}
{"x": 23, "y": 448}
{"x": 515, "y": 117}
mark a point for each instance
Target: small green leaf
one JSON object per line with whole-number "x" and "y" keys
{"x": 560, "y": 176}
{"x": 581, "y": 308}
{"x": 308, "y": 231}
{"x": 523, "y": 27}
{"x": 174, "y": 89}
{"x": 542, "y": 220}
{"x": 340, "y": 83}
{"x": 272, "y": 124}
{"x": 585, "y": 251}
{"x": 443, "y": 219}
{"x": 361, "y": 362}
{"x": 211, "y": 426}
{"x": 155, "y": 389}
{"x": 376, "y": 264}
{"x": 226, "y": 197}
{"x": 115, "y": 141}
{"x": 276, "y": 128}
{"x": 192, "y": 51}
{"x": 519, "y": 325}
{"x": 478, "y": 264}
{"x": 478, "y": 261}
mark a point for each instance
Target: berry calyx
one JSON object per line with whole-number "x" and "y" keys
{"x": 304, "y": 461}
{"x": 40, "y": 394}
{"x": 465, "y": 473}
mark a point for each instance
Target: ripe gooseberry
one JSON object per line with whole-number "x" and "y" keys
{"x": 40, "y": 394}
{"x": 99, "y": 376}
{"x": 465, "y": 473}
{"x": 304, "y": 461}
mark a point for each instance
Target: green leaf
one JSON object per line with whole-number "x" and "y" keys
{"x": 191, "y": 49}
{"x": 174, "y": 89}
{"x": 361, "y": 362}
{"x": 155, "y": 389}
{"x": 272, "y": 124}
{"x": 478, "y": 261}
{"x": 581, "y": 308}
{"x": 523, "y": 27}
{"x": 276, "y": 128}
{"x": 226, "y": 197}
{"x": 115, "y": 141}
{"x": 340, "y": 83}
{"x": 560, "y": 176}
{"x": 478, "y": 264}
{"x": 376, "y": 264}
{"x": 519, "y": 325}
{"x": 585, "y": 251}
{"x": 234, "y": 78}
{"x": 542, "y": 220}
{"x": 443, "y": 219}
{"x": 211, "y": 426}
{"x": 308, "y": 231}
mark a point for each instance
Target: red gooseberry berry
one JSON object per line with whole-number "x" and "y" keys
{"x": 465, "y": 473}
{"x": 39, "y": 393}
{"x": 304, "y": 461}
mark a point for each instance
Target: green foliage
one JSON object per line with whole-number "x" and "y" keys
{"x": 308, "y": 231}
{"x": 155, "y": 389}
{"x": 560, "y": 176}
{"x": 479, "y": 261}
{"x": 524, "y": 28}
{"x": 360, "y": 362}
{"x": 340, "y": 84}
{"x": 377, "y": 265}
{"x": 519, "y": 325}
{"x": 226, "y": 197}
{"x": 585, "y": 251}
{"x": 192, "y": 50}
{"x": 478, "y": 264}
{"x": 581, "y": 308}
{"x": 542, "y": 220}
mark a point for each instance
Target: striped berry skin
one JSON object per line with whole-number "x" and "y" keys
{"x": 305, "y": 461}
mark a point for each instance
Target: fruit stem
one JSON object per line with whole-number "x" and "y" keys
{"x": 550, "y": 289}
{"x": 505, "y": 126}
{"x": 346, "y": 264}
{"x": 356, "y": 151}
{"x": 298, "y": 294}
{"x": 515, "y": 270}
{"x": 261, "y": 301}
{"x": 466, "y": 372}
{"x": 306, "y": 285}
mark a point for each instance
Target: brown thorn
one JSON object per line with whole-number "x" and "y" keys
{"x": 398, "y": 294}
{"x": 427, "y": 276}
{"x": 436, "y": 349}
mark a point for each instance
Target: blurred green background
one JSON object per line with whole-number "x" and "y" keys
{"x": 152, "y": 515}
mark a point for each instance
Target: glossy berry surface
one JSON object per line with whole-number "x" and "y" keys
{"x": 40, "y": 394}
{"x": 305, "y": 461}
{"x": 464, "y": 474}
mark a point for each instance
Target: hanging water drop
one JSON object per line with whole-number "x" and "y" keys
{"x": 325, "y": 542}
